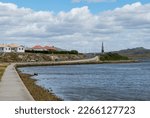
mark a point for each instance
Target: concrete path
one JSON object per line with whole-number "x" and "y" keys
{"x": 12, "y": 87}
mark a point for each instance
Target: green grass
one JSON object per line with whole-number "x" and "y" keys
{"x": 2, "y": 69}
{"x": 112, "y": 57}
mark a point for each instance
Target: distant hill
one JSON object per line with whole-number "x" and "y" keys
{"x": 135, "y": 53}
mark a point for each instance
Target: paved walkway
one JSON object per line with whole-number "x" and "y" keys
{"x": 12, "y": 87}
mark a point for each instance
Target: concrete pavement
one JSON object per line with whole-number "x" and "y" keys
{"x": 12, "y": 87}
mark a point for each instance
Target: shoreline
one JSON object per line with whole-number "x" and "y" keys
{"x": 44, "y": 94}
{"x": 38, "y": 93}
{"x": 54, "y": 63}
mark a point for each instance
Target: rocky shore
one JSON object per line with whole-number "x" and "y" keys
{"x": 37, "y": 57}
{"x": 37, "y": 92}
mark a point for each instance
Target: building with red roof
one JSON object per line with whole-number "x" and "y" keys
{"x": 38, "y": 48}
{"x": 43, "y": 48}
{"x": 49, "y": 48}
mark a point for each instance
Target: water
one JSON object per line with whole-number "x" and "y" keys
{"x": 95, "y": 82}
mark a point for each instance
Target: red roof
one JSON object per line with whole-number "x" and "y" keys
{"x": 49, "y": 48}
{"x": 44, "y": 48}
{"x": 38, "y": 47}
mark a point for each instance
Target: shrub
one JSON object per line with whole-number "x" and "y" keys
{"x": 112, "y": 56}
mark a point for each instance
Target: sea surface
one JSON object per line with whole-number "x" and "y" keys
{"x": 97, "y": 82}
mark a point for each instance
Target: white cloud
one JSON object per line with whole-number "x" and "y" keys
{"x": 124, "y": 27}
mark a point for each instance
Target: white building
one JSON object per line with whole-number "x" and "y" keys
{"x": 4, "y": 48}
{"x": 12, "y": 48}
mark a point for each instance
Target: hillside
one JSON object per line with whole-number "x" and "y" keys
{"x": 112, "y": 57}
{"x": 136, "y": 53}
{"x": 37, "y": 57}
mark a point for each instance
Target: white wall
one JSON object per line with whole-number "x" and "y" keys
{"x": 9, "y": 49}
{"x": 1, "y": 50}
{"x": 5, "y": 49}
{"x": 20, "y": 49}
{"x": 38, "y": 49}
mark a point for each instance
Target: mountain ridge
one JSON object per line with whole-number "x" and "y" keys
{"x": 135, "y": 53}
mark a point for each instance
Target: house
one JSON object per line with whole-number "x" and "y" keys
{"x": 16, "y": 48}
{"x": 38, "y": 48}
{"x": 12, "y": 48}
{"x": 43, "y": 48}
{"x": 50, "y": 48}
{"x": 4, "y": 48}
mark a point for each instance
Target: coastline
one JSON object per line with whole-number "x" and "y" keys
{"x": 37, "y": 92}
{"x": 54, "y": 63}
{"x": 41, "y": 94}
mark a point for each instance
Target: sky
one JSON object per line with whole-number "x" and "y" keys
{"x": 76, "y": 24}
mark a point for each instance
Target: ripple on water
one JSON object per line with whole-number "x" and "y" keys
{"x": 95, "y": 82}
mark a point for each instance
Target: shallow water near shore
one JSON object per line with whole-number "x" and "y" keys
{"x": 98, "y": 82}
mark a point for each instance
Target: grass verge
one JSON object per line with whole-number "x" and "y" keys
{"x": 37, "y": 92}
{"x": 2, "y": 69}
